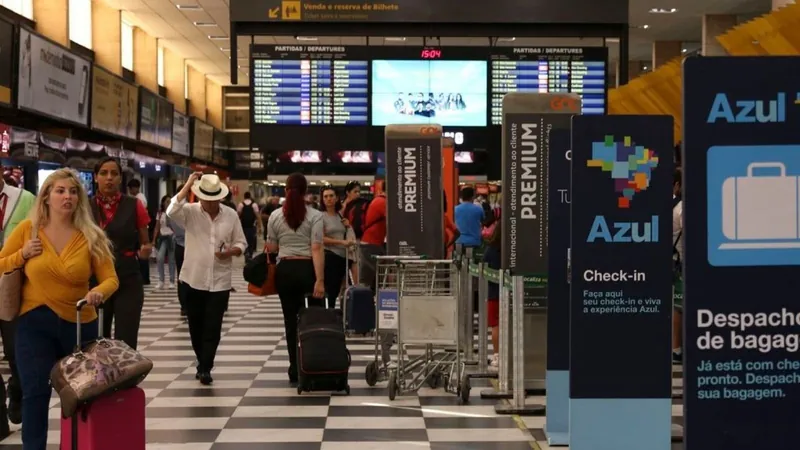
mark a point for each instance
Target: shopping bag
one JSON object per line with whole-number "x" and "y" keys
{"x": 259, "y": 273}
{"x": 760, "y": 207}
{"x": 11, "y": 287}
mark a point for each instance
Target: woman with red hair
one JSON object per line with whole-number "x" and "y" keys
{"x": 295, "y": 232}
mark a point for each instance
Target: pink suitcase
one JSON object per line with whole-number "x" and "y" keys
{"x": 116, "y": 421}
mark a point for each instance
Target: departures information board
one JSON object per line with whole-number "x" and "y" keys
{"x": 309, "y": 85}
{"x": 580, "y": 70}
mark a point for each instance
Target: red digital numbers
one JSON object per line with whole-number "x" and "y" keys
{"x": 431, "y": 54}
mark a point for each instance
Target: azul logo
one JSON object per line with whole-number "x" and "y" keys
{"x": 624, "y": 232}
{"x": 749, "y": 111}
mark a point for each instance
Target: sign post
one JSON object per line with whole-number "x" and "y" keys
{"x": 557, "y": 378}
{"x": 415, "y": 210}
{"x": 742, "y": 321}
{"x": 620, "y": 367}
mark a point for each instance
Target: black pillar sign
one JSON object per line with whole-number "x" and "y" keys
{"x": 621, "y": 282}
{"x": 527, "y": 122}
{"x": 414, "y": 190}
{"x": 742, "y": 260}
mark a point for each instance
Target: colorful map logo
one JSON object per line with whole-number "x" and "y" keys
{"x": 630, "y": 166}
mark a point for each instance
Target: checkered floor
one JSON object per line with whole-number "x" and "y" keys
{"x": 251, "y": 406}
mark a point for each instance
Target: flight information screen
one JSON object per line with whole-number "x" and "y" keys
{"x": 309, "y": 85}
{"x": 580, "y": 70}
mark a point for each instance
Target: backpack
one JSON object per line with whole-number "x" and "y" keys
{"x": 356, "y": 213}
{"x": 248, "y": 216}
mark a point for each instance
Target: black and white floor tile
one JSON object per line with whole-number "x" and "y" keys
{"x": 251, "y": 406}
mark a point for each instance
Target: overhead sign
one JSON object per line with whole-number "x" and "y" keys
{"x": 115, "y": 104}
{"x": 414, "y": 204}
{"x": 621, "y": 283}
{"x": 52, "y": 81}
{"x": 181, "y": 143}
{"x": 155, "y": 119}
{"x": 6, "y": 61}
{"x": 427, "y": 11}
{"x": 741, "y": 318}
{"x": 202, "y": 140}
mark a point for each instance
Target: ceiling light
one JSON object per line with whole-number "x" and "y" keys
{"x": 663, "y": 10}
{"x": 205, "y": 24}
{"x": 683, "y": 50}
{"x": 189, "y": 7}
{"x": 306, "y": 38}
{"x": 506, "y": 39}
{"x": 395, "y": 39}
{"x": 644, "y": 68}
{"x": 644, "y": 27}
{"x": 225, "y": 49}
{"x": 218, "y": 38}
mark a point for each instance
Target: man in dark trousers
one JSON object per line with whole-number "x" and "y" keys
{"x": 248, "y": 215}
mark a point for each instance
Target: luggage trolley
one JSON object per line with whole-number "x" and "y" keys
{"x": 428, "y": 316}
{"x": 387, "y": 280}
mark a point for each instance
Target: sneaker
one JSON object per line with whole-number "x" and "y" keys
{"x": 171, "y": 286}
{"x": 159, "y": 286}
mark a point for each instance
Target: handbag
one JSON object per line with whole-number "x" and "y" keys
{"x": 11, "y": 287}
{"x": 102, "y": 367}
{"x": 259, "y": 273}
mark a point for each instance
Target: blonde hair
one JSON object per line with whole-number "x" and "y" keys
{"x": 99, "y": 245}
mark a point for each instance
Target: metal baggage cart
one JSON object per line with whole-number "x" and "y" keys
{"x": 387, "y": 282}
{"x": 428, "y": 316}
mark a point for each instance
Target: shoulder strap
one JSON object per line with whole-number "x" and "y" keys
{"x": 675, "y": 244}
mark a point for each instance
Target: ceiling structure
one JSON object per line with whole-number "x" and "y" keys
{"x": 199, "y": 30}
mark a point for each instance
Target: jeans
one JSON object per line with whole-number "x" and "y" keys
{"x": 8, "y": 330}
{"x": 251, "y": 234}
{"x": 124, "y": 309}
{"x": 335, "y": 271}
{"x": 205, "y": 311}
{"x": 294, "y": 281}
{"x": 166, "y": 251}
{"x": 42, "y": 339}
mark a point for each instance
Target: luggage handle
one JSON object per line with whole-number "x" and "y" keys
{"x": 766, "y": 165}
{"x": 78, "y": 307}
{"x": 305, "y": 299}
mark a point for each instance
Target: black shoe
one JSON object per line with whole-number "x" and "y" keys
{"x": 677, "y": 358}
{"x": 183, "y": 312}
{"x": 205, "y": 378}
{"x": 14, "y": 411}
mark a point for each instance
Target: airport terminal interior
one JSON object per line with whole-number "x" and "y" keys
{"x": 493, "y": 195}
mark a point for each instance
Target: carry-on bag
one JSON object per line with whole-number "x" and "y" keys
{"x": 116, "y": 421}
{"x": 100, "y": 368}
{"x": 358, "y": 306}
{"x": 322, "y": 356}
{"x": 11, "y": 285}
{"x": 259, "y": 273}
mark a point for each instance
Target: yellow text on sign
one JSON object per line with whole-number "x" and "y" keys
{"x": 292, "y": 10}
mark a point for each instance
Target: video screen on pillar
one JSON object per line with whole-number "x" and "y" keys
{"x": 580, "y": 70}
{"x": 309, "y": 96}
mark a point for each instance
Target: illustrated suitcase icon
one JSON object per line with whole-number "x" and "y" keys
{"x": 761, "y": 207}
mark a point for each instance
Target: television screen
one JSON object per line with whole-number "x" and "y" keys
{"x": 350, "y": 156}
{"x": 449, "y": 93}
{"x": 304, "y": 156}
{"x": 464, "y": 157}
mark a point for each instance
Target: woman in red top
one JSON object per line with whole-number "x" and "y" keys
{"x": 125, "y": 220}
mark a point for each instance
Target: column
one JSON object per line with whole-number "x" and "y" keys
{"x": 197, "y": 93}
{"x": 174, "y": 79}
{"x": 214, "y": 104}
{"x": 713, "y": 26}
{"x": 145, "y": 59}
{"x": 106, "y": 36}
{"x": 665, "y": 51}
{"x": 52, "y": 20}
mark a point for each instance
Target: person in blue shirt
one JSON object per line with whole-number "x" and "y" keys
{"x": 469, "y": 219}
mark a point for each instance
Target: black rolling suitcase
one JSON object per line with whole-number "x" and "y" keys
{"x": 322, "y": 356}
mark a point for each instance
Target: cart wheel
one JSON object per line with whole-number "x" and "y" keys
{"x": 299, "y": 389}
{"x": 434, "y": 381}
{"x": 371, "y": 373}
{"x": 392, "y": 385}
{"x": 464, "y": 388}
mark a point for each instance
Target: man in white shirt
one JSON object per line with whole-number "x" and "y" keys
{"x": 213, "y": 237}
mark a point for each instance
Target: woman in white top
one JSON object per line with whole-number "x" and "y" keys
{"x": 164, "y": 238}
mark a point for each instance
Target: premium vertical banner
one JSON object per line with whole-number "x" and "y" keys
{"x": 621, "y": 283}
{"x": 527, "y": 122}
{"x": 6, "y": 62}
{"x": 181, "y": 144}
{"x": 52, "y": 81}
{"x": 414, "y": 190}
{"x": 742, "y": 260}
{"x": 115, "y": 104}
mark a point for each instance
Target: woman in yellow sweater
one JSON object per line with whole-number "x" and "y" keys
{"x": 58, "y": 264}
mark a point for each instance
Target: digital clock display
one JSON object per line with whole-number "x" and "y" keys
{"x": 431, "y": 53}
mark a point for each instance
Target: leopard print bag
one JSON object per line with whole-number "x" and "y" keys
{"x": 102, "y": 367}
